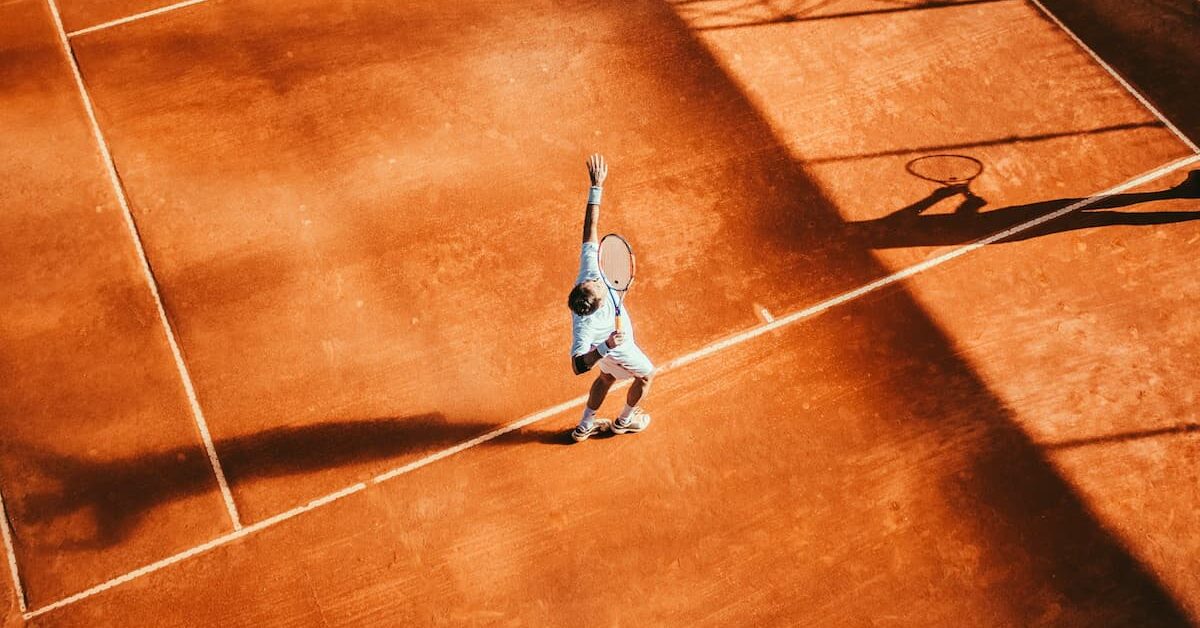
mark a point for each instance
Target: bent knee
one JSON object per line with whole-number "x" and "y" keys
{"x": 646, "y": 379}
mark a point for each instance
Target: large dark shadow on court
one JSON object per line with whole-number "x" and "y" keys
{"x": 970, "y": 220}
{"x": 115, "y": 494}
{"x": 1153, "y": 44}
{"x": 1043, "y": 544}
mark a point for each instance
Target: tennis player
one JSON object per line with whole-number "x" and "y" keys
{"x": 595, "y": 339}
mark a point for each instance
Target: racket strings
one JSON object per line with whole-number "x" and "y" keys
{"x": 616, "y": 262}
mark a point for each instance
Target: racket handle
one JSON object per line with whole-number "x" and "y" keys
{"x": 619, "y": 319}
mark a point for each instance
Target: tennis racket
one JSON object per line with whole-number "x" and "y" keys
{"x": 949, "y": 170}
{"x": 617, "y": 266}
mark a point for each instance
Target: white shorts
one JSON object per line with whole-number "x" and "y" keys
{"x": 626, "y": 362}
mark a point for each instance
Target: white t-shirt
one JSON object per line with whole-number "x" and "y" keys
{"x": 593, "y": 329}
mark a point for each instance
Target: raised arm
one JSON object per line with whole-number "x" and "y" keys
{"x": 598, "y": 171}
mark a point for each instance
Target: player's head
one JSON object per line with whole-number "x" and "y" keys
{"x": 585, "y": 297}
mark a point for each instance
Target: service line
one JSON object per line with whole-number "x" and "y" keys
{"x": 678, "y": 362}
{"x": 133, "y": 18}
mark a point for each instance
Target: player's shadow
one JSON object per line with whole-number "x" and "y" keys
{"x": 910, "y": 226}
{"x": 88, "y": 503}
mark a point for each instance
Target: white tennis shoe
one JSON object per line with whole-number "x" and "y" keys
{"x": 599, "y": 426}
{"x": 633, "y": 424}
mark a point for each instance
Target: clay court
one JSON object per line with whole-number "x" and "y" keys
{"x": 283, "y": 336}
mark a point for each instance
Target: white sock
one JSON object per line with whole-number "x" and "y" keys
{"x": 626, "y": 413}
{"x": 589, "y": 417}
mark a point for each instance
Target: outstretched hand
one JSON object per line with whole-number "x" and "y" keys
{"x": 597, "y": 169}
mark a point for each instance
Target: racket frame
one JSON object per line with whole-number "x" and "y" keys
{"x": 604, "y": 277}
{"x": 952, "y": 181}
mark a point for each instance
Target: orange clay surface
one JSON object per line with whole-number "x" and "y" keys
{"x": 87, "y": 376}
{"x": 363, "y": 219}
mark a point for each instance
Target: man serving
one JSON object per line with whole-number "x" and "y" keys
{"x": 595, "y": 337}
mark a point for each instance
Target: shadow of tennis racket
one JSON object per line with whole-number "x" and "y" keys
{"x": 948, "y": 170}
{"x": 954, "y": 173}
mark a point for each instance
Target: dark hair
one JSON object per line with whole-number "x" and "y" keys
{"x": 582, "y": 302}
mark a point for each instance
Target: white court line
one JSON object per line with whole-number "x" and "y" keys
{"x": 6, "y": 531}
{"x": 1108, "y": 68}
{"x": 199, "y": 549}
{"x": 133, "y": 18}
{"x": 926, "y": 265}
{"x": 479, "y": 440}
{"x": 683, "y": 360}
{"x": 123, "y": 201}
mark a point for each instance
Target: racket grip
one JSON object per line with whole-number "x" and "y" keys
{"x": 619, "y": 319}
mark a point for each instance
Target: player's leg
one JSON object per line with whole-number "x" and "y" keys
{"x": 639, "y": 388}
{"x": 589, "y": 425}
{"x": 632, "y": 418}
{"x": 599, "y": 391}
